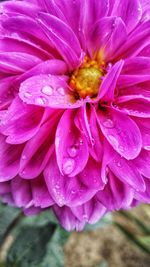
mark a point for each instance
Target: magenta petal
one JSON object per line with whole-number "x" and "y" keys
{"x": 9, "y": 160}
{"x": 67, "y": 219}
{"x": 47, "y": 91}
{"x": 16, "y": 62}
{"x": 142, "y": 163}
{"x": 52, "y": 66}
{"x": 19, "y": 7}
{"x": 104, "y": 36}
{"x": 33, "y": 161}
{"x": 71, "y": 146}
{"x": 108, "y": 85}
{"x": 40, "y": 194}
{"x": 138, "y": 107}
{"x": 96, "y": 148}
{"x": 135, "y": 43}
{"x": 144, "y": 196}
{"x": 21, "y": 191}
{"x": 21, "y": 122}
{"x": 90, "y": 12}
{"x": 90, "y": 212}
{"x": 129, "y": 11}
{"x": 144, "y": 126}
{"x": 66, "y": 190}
{"x": 5, "y": 188}
{"x": 127, "y": 172}
{"x": 121, "y": 132}
{"x": 62, "y": 37}
{"x": 91, "y": 175}
{"x": 116, "y": 194}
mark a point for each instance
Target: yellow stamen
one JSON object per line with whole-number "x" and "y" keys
{"x": 85, "y": 81}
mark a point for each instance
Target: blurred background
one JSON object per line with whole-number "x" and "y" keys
{"x": 120, "y": 239}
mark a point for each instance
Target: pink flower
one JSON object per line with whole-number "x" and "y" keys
{"x": 75, "y": 107}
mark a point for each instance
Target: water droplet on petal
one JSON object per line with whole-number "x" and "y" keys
{"x": 61, "y": 91}
{"x": 72, "y": 151}
{"x": 113, "y": 140}
{"x": 40, "y": 101}
{"x": 47, "y": 90}
{"x": 24, "y": 157}
{"x": 121, "y": 149}
{"x": 68, "y": 165}
{"x": 73, "y": 191}
{"x": 27, "y": 95}
{"x": 108, "y": 123}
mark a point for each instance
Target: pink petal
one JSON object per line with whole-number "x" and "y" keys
{"x": 129, "y": 11}
{"x": 67, "y": 219}
{"x": 109, "y": 82}
{"x": 127, "y": 172}
{"x": 144, "y": 196}
{"x": 40, "y": 194}
{"x": 66, "y": 190}
{"x": 63, "y": 38}
{"x": 17, "y": 62}
{"x": 90, "y": 212}
{"x": 116, "y": 194}
{"x": 104, "y": 36}
{"x": 21, "y": 191}
{"x": 34, "y": 161}
{"x": 9, "y": 160}
{"x": 71, "y": 146}
{"x": 142, "y": 163}
{"x": 138, "y": 107}
{"x": 21, "y": 122}
{"x": 121, "y": 132}
{"x": 49, "y": 91}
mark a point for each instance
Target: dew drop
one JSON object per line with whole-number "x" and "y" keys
{"x": 68, "y": 165}
{"x": 27, "y": 95}
{"x": 57, "y": 186}
{"x": 119, "y": 164}
{"x": 61, "y": 91}
{"x": 72, "y": 151}
{"x": 108, "y": 123}
{"x": 47, "y": 90}
{"x": 40, "y": 101}
{"x": 113, "y": 140}
{"x": 121, "y": 149}
{"x": 73, "y": 191}
{"x": 24, "y": 157}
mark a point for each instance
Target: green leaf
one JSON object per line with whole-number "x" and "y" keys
{"x": 106, "y": 220}
{"x": 103, "y": 264}
{"x": 8, "y": 217}
{"x": 30, "y": 246}
{"x": 55, "y": 253}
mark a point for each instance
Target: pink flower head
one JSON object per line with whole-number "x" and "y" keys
{"x": 75, "y": 107}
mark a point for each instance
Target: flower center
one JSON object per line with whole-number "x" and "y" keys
{"x": 85, "y": 81}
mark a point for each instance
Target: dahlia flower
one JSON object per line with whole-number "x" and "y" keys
{"x": 75, "y": 107}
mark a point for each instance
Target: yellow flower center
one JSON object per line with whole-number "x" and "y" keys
{"x": 85, "y": 81}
